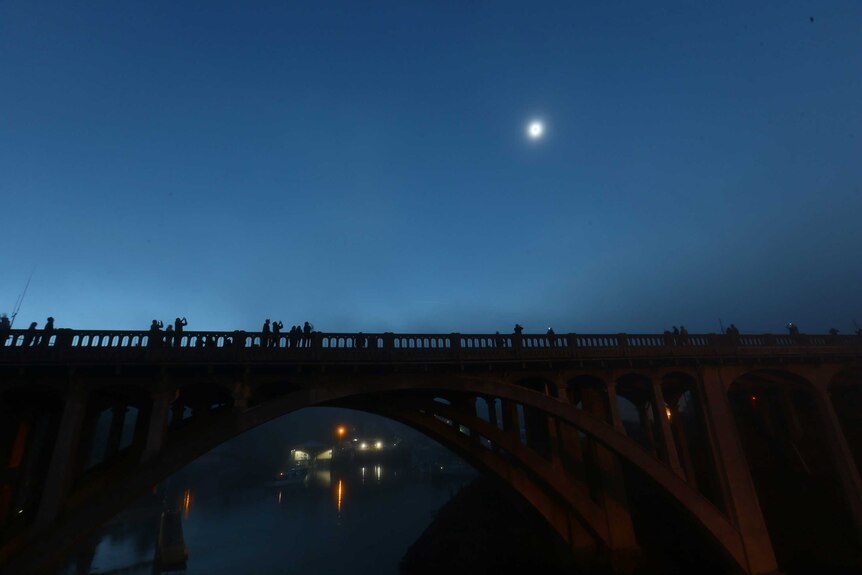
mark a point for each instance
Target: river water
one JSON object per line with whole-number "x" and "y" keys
{"x": 360, "y": 520}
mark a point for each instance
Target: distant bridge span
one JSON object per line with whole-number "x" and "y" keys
{"x": 555, "y": 417}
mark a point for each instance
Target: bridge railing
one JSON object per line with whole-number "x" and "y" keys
{"x": 321, "y": 345}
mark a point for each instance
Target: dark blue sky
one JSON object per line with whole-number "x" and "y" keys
{"x": 364, "y": 165}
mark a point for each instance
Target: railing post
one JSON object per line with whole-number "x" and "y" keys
{"x": 388, "y": 340}
{"x": 455, "y": 340}
{"x": 64, "y": 338}
{"x": 455, "y": 344}
{"x": 239, "y": 339}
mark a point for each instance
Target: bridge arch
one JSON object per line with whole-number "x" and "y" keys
{"x": 84, "y": 513}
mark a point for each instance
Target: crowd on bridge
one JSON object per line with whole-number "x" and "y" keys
{"x": 270, "y": 334}
{"x": 299, "y": 336}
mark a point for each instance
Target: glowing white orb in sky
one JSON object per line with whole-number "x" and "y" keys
{"x": 535, "y": 130}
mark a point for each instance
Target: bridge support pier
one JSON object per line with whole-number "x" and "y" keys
{"x": 623, "y": 553}
{"x": 115, "y": 434}
{"x": 668, "y": 446}
{"x": 158, "y": 425}
{"x": 738, "y": 487}
{"x": 60, "y": 468}
{"x": 842, "y": 458}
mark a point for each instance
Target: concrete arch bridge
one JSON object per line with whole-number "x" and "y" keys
{"x": 714, "y": 422}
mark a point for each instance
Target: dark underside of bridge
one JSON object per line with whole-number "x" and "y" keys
{"x": 713, "y": 453}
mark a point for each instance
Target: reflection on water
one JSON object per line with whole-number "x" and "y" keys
{"x": 370, "y": 514}
{"x": 187, "y": 503}
{"x": 340, "y": 492}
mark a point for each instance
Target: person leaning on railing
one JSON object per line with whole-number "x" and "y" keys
{"x": 47, "y": 332}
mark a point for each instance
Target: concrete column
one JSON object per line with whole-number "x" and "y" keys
{"x": 553, "y": 439}
{"x": 842, "y": 459}
{"x": 493, "y": 418}
{"x": 581, "y": 542}
{"x": 59, "y": 479}
{"x": 733, "y": 471}
{"x": 643, "y": 415}
{"x": 157, "y": 429}
{"x": 10, "y": 475}
{"x": 536, "y": 424}
{"x": 115, "y": 434}
{"x": 660, "y": 412}
{"x": 31, "y": 471}
{"x": 624, "y": 549}
{"x": 790, "y": 415}
{"x": 681, "y": 440}
{"x": 571, "y": 453}
{"x": 178, "y": 410}
{"x": 240, "y": 395}
{"x": 509, "y": 417}
{"x": 614, "y": 407}
{"x": 492, "y": 410}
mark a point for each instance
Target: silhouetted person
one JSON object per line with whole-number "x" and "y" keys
{"x": 518, "y": 329}
{"x": 833, "y": 331}
{"x": 276, "y": 332}
{"x": 155, "y": 336}
{"x": 306, "y": 332}
{"x": 552, "y": 337}
{"x": 265, "y": 334}
{"x": 499, "y": 339}
{"x": 292, "y": 336}
{"x": 47, "y": 331}
{"x": 179, "y": 324}
{"x": 683, "y": 334}
{"x": 169, "y": 336}
{"x": 675, "y": 331}
{"x": 30, "y": 336}
{"x": 5, "y": 327}
{"x": 731, "y": 330}
{"x": 792, "y": 328}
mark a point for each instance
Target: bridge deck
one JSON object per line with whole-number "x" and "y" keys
{"x": 100, "y": 346}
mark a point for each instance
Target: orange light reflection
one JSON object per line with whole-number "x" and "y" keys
{"x": 187, "y": 503}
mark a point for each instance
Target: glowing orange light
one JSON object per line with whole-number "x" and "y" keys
{"x": 339, "y": 495}
{"x": 667, "y": 411}
{"x": 341, "y": 431}
{"x": 187, "y": 503}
